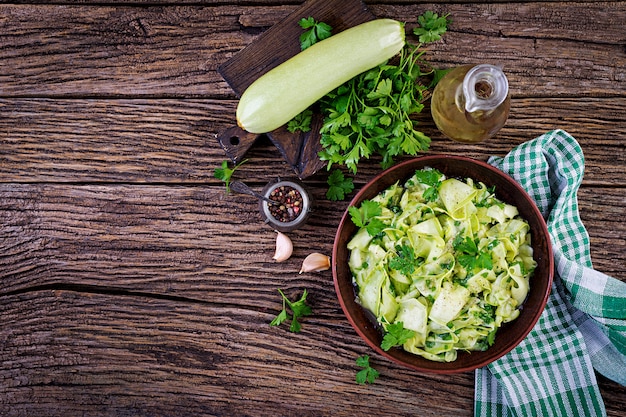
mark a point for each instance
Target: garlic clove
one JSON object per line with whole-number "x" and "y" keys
{"x": 284, "y": 247}
{"x": 315, "y": 262}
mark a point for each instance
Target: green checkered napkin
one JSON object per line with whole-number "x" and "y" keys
{"x": 551, "y": 373}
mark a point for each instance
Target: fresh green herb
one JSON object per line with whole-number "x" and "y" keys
{"x": 371, "y": 114}
{"x": 405, "y": 260}
{"x": 225, "y": 173}
{"x": 338, "y": 186}
{"x": 432, "y": 26}
{"x": 488, "y": 198}
{"x": 493, "y": 244}
{"x": 315, "y": 32}
{"x": 298, "y": 309}
{"x": 368, "y": 210}
{"x": 396, "y": 335}
{"x": 365, "y": 216}
{"x": 301, "y": 122}
{"x": 485, "y": 342}
{"x": 432, "y": 178}
{"x": 487, "y": 314}
{"x": 469, "y": 256}
{"x": 431, "y": 194}
{"x": 367, "y": 375}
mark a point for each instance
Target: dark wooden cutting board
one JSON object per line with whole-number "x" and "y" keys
{"x": 273, "y": 47}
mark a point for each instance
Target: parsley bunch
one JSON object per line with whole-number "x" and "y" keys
{"x": 301, "y": 122}
{"x": 371, "y": 114}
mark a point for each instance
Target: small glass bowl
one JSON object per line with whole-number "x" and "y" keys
{"x": 294, "y": 211}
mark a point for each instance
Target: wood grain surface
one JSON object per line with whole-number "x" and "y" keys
{"x": 132, "y": 284}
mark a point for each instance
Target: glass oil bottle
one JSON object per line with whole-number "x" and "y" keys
{"x": 471, "y": 103}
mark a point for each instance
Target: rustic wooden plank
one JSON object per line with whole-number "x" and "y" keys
{"x": 174, "y": 141}
{"x": 263, "y": 3}
{"x": 129, "y": 355}
{"x": 124, "y": 141}
{"x": 111, "y": 354}
{"x": 150, "y": 239}
{"x": 175, "y": 51}
{"x": 124, "y": 51}
{"x": 131, "y": 285}
{"x": 194, "y": 242}
{"x": 521, "y": 19}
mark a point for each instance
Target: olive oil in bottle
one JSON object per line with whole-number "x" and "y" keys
{"x": 471, "y": 103}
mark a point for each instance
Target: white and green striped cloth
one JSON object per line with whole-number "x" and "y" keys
{"x": 551, "y": 373}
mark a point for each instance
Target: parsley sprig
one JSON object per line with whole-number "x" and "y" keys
{"x": 315, "y": 32}
{"x": 366, "y": 216}
{"x": 432, "y": 178}
{"x": 432, "y": 26}
{"x": 405, "y": 260}
{"x": 298, "y": 309}
{"x": 396, "y": 335}
{"x": 367, "y": 375}
{"x": 338, "y": 186}
{"x": 469, "y": 256}
{"x": 225, "y": 173}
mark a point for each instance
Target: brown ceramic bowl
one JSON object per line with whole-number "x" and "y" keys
{"x": 510, "y": 334}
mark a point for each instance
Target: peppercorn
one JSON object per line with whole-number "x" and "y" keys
{"x": 290, "y": 203}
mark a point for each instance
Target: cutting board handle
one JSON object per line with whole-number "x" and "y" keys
{"x": 235, "y": 141}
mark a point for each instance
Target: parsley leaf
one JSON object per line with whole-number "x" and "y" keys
{"x": 469, "y": 256}
{"x": 338, "y": 186}
{"x": 432, "y": 26}
{"x": 316, "y": 31}
{"x": 365, "y": 216}
{"x": 432, "y": 178}
{"x": 375, "y": 227}
{"x": 301, "y": 122}
{"x": 405, "y": 260}
{"x": 367, "y": 374}
{"x": 280, "y": 318}
{"x": 298, "y": 309}
{"x": 225, "y": 173}
{"x": 369, "y": 209}
{"x": 396, "y": 335}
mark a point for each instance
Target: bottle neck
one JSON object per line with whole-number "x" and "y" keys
{"x": 485, "y": 87}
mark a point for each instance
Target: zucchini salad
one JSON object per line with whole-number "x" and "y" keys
{"x": 441, "y": 263}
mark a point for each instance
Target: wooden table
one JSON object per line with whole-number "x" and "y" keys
{"x": 131, "y": 284}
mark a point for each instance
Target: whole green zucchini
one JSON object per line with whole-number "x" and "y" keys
{"x": 285, "y": 91}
